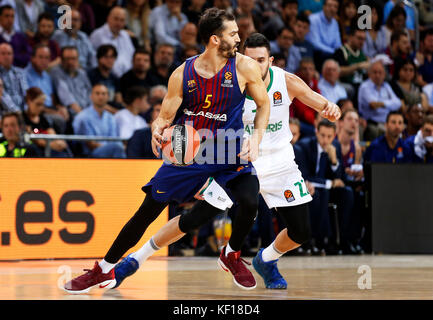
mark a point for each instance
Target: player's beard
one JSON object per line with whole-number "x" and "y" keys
{"x": 226, "y": 50}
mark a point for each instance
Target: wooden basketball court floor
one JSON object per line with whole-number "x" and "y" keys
{"x": 190, "y": 278}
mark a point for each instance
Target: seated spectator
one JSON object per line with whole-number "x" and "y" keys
{"x": 284, "y": 45}
{"x": 17, "y": 40}
{"x": 328, "y": 84}
{"x": 137, "y": 16}
{"x": 280, "y": 61}
{"x": 348, "y": 139}
{"x": 163, "y": 65}
{"x": 410, "y": 15}
{"x": 112, "y": 32}
{"x": 321, "y": 163}
{"x": 424, "y": 58}
{"x": 310, "y": 6}
{"x": 71, "y": 82}
{"x": 157, "y": 93}
{"x": 324, "y": 32}
{"x": 43, "y": 35}
{"x": 295, "y": 128}
{"x": 27, "y": 12}
{"x": 139, "y": 146}
{"x": 139, "y": 74}
{"x": 190, "y": 51}
{"x": 188, "y": 38}
{"x": 13, "y": 4}
{"x": 128, "y": 120}
{"x": 347, "y": 18}
{"x": 248, "y": 8}
{"x": 375, "y": 40}
{"x": 345, "y": 104}
{"x": 37, "y": 76}
{"x": 353, "y": 63}
{"x": 165, "y": 23}
{"x": 305, "y": 114}
{"x": 399, "y": 49}
{"x": 107, "y": 55}
{"x": 13, "y": 78}
{"x": 6, "y": 104}
{"x": 421, "y": 143}
{"x": 351, "y": 152}
{"x": 246, "y": 27}
{"x": 395, "y": 23}
{"x": 13, "y": 146}
{"x": 37, "y": 123}
{"x": 404, "y": 85}
{"x": 375, "y": 100}
{"x": 285, "y": 18}
{"x": 76, "y": 38}
{"x": 390, "y": 147}
{"x": 194, "y": 9}
{"x": 414, "y": 115}
{"x": 302, "y": 28}
{"x": 87, "y": 15}
{"x": 95, "y": 121}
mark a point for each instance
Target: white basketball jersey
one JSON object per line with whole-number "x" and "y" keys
{"x": 275, "y": 151}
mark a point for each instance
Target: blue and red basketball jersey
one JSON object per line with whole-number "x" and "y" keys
{"x": 215, "y": 103}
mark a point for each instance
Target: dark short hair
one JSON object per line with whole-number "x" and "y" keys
{"x": 395, "y": 12}
{"x": 14, "y": 114}
{"x": 5, "y": 7}
{"x": 45, "y": 16}
{"x": 396, "y": 35}
{"x": 37, "y": 47}
{"x": 303, "y": 17}
{"x": 287, "y": 2}
{"x": 135, "y": 92}
{"x": 326, "y": 123}
{"x": 256, "y": 40}
{"x": 67, "y": 48}
{"x": 140, "y": 50}
{"x": 280, "y": 31}
{"x": 425, "y": 33}
{"x": 393, "y": 113}
{"x": 212, "y": 23}
{"x": 428, "y": 119}
{"x": 104, "y": 49}
{"x": 33, "y": 93}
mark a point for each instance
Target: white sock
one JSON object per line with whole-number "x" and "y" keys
{"x": 229, "y": 249}
{"x": 270, "y": 253}
{"x": 106, "y": 266}
{"x": 148, "y": 249}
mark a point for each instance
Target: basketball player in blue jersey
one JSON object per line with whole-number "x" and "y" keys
{"x": 281, "y": 182}
{"x": 209, "y": 90}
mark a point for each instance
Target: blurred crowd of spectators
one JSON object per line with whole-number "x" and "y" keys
{"x": 107, "y": 73}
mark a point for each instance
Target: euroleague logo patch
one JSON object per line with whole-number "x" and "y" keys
{"x": 278, "y": 98}
{"x": 228, "y": 80}
{"x": 289, "y": 195}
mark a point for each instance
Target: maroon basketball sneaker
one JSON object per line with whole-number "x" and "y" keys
{"x": 242, "y": 277}
{"x": 92, "y": 278}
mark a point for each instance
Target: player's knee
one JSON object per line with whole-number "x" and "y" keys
{"x": 201, "y": 213}
{"x": 249, "y": 202}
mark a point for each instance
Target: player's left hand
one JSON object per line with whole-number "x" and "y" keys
{"x": 331, "y": 112}
{"x": 250, "y": 149}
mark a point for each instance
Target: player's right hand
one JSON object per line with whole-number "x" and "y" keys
{"x": 157, "y": 131}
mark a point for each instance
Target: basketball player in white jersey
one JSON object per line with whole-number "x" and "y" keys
{"x": 281, "y": 182}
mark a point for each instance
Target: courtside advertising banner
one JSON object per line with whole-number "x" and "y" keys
{"x": 70, "y": 208}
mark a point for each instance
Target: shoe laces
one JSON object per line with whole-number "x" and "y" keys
{"x": 238, "y": 262}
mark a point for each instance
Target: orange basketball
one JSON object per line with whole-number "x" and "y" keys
{"x": 180, "y": 144}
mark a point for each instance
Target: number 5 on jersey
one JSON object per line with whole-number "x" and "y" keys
{"x": 208, "y": 101}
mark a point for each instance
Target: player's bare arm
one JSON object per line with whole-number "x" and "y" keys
{"x": 297, "y": 88}
{"x": 170, "y": 104}
{"x": 250, "y": 75}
